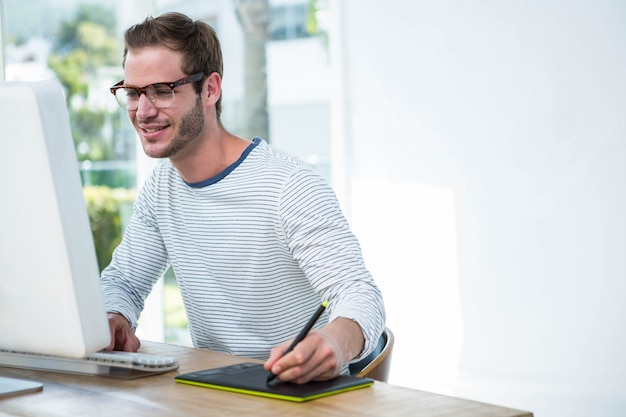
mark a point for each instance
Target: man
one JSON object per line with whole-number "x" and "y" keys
{"x": 256, "y": 239}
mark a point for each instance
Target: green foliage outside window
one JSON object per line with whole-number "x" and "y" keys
{"x": 81, "y": 46}
{"x": 109, "y": 210}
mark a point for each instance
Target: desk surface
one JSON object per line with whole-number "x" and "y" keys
{"x": 160, "y": 395}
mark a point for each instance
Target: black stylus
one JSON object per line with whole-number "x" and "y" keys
{"x": 301, "y": 335}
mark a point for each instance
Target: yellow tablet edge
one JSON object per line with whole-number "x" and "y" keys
{"x": 276, "y": 396}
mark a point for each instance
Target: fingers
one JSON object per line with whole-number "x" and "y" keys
{"x": 129, "y": 343}
{"x": 115, "y": 326}
{"x": 315, "y": 358}
{"x": 122, "y": 336}
{"x": 275, "y": 354}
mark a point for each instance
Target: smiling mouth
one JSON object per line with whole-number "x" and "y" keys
{"x": 153, "y": 129}
{"x": 151, "y": 132}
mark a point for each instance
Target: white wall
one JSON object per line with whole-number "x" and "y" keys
{"x": 485, "y": 146}
{"x": 1, "y": 41}
{"x": 298, "y": 99}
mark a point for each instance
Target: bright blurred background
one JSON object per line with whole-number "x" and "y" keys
{"x": 477, "y": 148}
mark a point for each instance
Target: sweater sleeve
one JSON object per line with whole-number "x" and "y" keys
{"x": 321, "y": 241}
{"x": 137, "y": 263}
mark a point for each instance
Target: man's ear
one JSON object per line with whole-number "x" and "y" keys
{"x": 212, "y": 88}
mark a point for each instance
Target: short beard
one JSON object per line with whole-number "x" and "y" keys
{"x": 191, "y": 125}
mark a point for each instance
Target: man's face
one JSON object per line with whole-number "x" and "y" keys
{"x": 164, "y": 132}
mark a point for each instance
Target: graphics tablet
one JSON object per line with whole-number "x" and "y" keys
{"x": 250, "y": 378}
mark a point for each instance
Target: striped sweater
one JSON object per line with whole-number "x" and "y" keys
{"x": 254, "y": 250}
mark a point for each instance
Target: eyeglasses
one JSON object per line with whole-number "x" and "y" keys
{"x": 161, "y": 95}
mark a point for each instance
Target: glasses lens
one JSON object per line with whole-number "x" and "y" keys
{"x": 127, "y": 98}
{"x": 161, "y": 95}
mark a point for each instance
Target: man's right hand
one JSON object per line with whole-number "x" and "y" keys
{"x": 122, "y": 336}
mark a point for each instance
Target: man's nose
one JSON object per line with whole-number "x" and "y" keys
{"x": 145, "y": 107}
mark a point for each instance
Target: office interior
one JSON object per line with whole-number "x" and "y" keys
{"x": 479, "y": 151}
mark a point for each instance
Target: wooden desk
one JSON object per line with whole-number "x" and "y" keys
{"x": 159, "y": 395}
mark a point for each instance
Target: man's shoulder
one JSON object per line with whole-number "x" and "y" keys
{"x": 275, "y": 156}
{"x": 162, "y": 174}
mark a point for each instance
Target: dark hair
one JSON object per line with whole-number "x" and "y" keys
{"x": 197, "y": 41}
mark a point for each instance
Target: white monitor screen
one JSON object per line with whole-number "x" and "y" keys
{"x": 50, "y": 296}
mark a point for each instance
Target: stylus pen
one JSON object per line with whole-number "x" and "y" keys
{"x": 301, "y": 335}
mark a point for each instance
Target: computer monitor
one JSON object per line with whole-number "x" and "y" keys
{"x": 50, "y": 295}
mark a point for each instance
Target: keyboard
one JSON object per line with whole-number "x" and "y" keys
{"x": 114, "y": 364}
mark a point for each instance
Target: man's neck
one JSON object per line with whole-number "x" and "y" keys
{"x": 210, "y": 158}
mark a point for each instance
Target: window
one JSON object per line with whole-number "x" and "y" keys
{"x": 288, "y": 22}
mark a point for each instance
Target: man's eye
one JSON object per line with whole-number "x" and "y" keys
{"x": 131, "y": 94}
{"x": 162, "y": 91}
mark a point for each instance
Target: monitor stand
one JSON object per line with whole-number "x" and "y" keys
{"x": 13, "y": 386}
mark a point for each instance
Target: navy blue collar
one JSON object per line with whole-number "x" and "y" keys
{"x": 228, "y": 169}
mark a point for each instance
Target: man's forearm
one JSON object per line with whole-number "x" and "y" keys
{"x": 349, "y": 335}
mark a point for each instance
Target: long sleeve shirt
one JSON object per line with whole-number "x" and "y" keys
{"x": 255, "y": 250}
